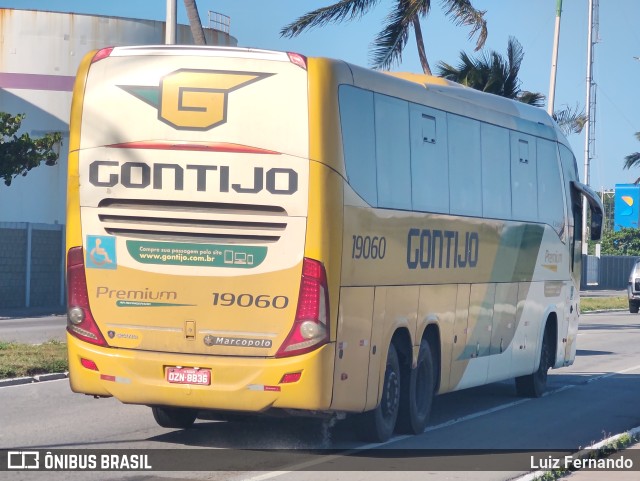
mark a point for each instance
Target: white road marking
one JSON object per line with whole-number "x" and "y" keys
{"x": 32, "y": 383}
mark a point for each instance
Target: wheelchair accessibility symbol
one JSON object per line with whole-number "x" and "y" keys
{"x": 101, "y": 252}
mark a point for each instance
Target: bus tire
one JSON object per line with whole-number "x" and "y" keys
{"x": 534, "y": 385}
{"x": 169, "y": 417}
{"x": 416, "y": 395}
{"x": 634, "y": 306}
{"x": 377, "y": 425}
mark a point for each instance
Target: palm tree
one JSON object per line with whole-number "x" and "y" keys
{"x": 389, "y": 43}
{"x": 491, "y": 72}
{"x": 632, "y": 160}
{"x": 194, "y": 22}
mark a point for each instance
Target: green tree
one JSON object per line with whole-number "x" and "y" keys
{"x": 406, "y": 15}
{"x": 632, "y": 160}
{"x": 20, "y": 154}
{"x": 497, "y": 74}
{"x": 625, "y": 242}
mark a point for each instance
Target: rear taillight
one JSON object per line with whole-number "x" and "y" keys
{"x": 311, "y": 326}
{"x": 80, "y": 322}
{"x": 101, "y": 54}
{"x": 297, "y": 59}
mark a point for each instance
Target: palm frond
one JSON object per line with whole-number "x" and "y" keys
{"x": 496, "y": 70}
{"x": 338, "y": 12}
{"x": 448, "y": 72}
{"x": 531, "y": 98}
{"x": 463, "y": 13}
{"x": 424, "y": 7}
{"x": 515, "y": 56}
{"x": 632, "y": 160}
{"x": 461, "y": 73}
{"x": 570, "y": 121}
{"x": 386, "y": 49}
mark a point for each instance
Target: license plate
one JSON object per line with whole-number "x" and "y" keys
{"x": 185, "y": 375}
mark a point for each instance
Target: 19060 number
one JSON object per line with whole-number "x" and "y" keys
{"x": 262, "y": 301}
{"x": 366, "y": 247}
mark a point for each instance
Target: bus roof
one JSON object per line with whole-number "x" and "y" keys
{"x": 453, "y": 97}
{"x": 449, "y": 96}
{"x": 197, "y": 50}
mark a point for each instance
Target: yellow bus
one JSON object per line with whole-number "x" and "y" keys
{"x": 253, "y": 231}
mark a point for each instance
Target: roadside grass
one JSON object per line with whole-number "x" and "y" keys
{"x": 588, "y": 304}
{"x": 17, "y": 360}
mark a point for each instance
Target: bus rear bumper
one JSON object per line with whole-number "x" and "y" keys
{"x": 237, "y": 384}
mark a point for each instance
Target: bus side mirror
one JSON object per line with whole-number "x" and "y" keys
{"x": 596, "y": 207}
{"x": 596, "y": 225}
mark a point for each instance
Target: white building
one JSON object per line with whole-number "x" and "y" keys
{"x": 39, "y": 55}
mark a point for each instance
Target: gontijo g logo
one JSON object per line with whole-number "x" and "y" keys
{"x": 190, "y": 99}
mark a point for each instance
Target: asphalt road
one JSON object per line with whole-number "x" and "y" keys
{"x": 592, "y": 399}
{"x": 33, "y": 330}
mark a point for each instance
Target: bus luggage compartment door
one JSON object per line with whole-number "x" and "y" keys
{"x": 353, "y": 348}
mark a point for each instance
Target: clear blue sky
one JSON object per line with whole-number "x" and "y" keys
{"x": 256, "y": 23}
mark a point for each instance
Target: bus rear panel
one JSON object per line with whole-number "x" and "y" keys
{"x": 188, "y": 209}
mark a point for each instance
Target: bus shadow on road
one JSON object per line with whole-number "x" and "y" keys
{"x": 263, "y": 432}
{"x": 587, "y": 352}
{"x": 254, "y": 432}
{"x": 278, "y": 434}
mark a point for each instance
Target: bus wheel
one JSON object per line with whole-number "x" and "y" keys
{"x": 416, "y": 395}
{"x": 377, "y": 426}
{"x": 167, "y": 417}
{"x": 534, "y": 385}
{"x": 634, "y": 306}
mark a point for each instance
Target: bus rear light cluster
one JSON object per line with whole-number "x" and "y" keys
{"x": 297, "y": 59}
{"x": 311, "y": 326}
{"x": 80, "y": 322}
{"x": 102, "y": 54}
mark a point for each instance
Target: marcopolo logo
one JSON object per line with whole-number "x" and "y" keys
{"x": 191, "y": 99}
{"x": 210, "y": 340}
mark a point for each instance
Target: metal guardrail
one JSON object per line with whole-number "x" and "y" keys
{"x": 219, "y": 22}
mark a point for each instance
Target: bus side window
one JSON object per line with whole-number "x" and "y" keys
{"x": 358, "y": 140}
{"x": 574, "y": 205}
{"x": 465, "y": 166}
{"x": 524, "y": 182}
{"x": 393, "y": 153}
{"x": 550, "y": 200}
{"x": 429, "y": 160}
{"x": 496, "y": 189}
